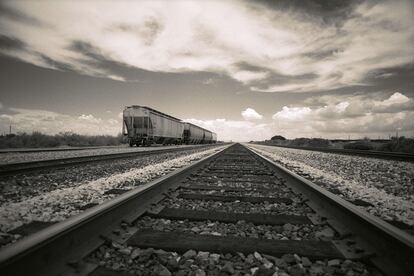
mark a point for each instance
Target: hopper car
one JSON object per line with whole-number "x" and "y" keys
{"x": 145, "y": 126}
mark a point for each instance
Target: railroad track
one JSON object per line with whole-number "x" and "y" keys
{"x": 408, "y": 157}
{"x": 31, "y": 150}
{"x": 24, "y": 167}
{"x": 231, "y": 212}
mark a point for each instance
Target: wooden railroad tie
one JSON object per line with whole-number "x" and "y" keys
{"x": 228, "y": 188}
{"x": 255, "y": 218}
{"x": 235, "y": 198}
{"x": 181, "y": 242}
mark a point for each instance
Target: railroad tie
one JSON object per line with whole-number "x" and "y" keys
{"x": 236, "y": 198}
{"x": 227, "y": 188}
{"x": 255, "y": 218}
{"x": 181, "y": 242}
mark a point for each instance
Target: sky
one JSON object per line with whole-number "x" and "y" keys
{"x": 247, "y": 70}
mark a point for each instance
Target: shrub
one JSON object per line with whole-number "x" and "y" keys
{"x": 400, "y": 144}
{"x": 278, "y": 137}
{"x": 359, "y": 145}
{"x": 39, "y": 140}
{"x": 310, "y": 142}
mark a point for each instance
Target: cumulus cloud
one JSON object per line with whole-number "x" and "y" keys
{"x": 241, "y": 131}
{"x": 90, "y": 119}
{"x": 29, "y": 120}
{"x": 292, "y": 113}
{"x": 340, "y": 116}
{"x": 251, "y": 114}
{"x": 280, "y": 49}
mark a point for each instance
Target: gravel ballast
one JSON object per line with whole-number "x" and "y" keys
{"x": 240, "y": 207}
{"x": 27, "y": 185}
{"x": 252, "y": 193}
{"x": 15, "y": 157}
{"x": 62, "y": 203}
{"x": 240, "y": 229}
{"x": 150, "y": 261}
{"x": 386, "y": 185}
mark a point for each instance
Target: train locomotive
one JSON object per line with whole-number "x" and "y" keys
{"x": 144, "y": 126}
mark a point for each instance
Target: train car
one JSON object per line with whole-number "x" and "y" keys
{"x": 208, "y": 136}
{"x": 214, "y": 138}
{"x": 193, "y": 134}
{"x": 144, "y": 126}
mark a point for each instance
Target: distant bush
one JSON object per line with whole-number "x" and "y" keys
{"x": 40, "y": 140}
{"x": 310, "y": 142}
{"x": 360, "y": 145}
{"x": 400, "y": 144}
{"x": 278, "y": 137}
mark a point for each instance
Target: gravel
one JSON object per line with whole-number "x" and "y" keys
{"x": 14, "y": 157}
{"x": 237, "y": 184}
{"x": 387, "y": 185}
{"x": 240, "y": 229}
{"x": 282, "y": 193}
{"x": 24, "y": 186}
{"x": 295, "y": 208}
{"x": 151, "y": 261}
{"x": 67, "y": 201}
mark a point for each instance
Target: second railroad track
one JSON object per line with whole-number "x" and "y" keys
{"x": 39, "y": 165}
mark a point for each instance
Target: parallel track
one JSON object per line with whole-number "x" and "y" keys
{"x": 31, "y": 150}
{"x": 237, "y": 176}
{"x": 24, "y": 167}
{"x": 408, "y": 157}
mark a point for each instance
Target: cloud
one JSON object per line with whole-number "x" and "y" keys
{"x": 286, "y": 49}
{"x": 251, "y": 114}
{"x": 249, "y": 76}
{"x": 292, "y": 113}
{"x": 29, "y": 120}
{"x": 340, "y": 116}
{"x": 90, "y": 119}
{"x": 241, "y": 131}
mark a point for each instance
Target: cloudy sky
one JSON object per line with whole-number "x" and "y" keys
{"x": 244, "y": 69}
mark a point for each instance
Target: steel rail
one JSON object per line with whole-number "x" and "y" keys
{"x": 368, "y": 153}
{"x": 31, "y": 150}
{"x": 48, "y": 251}
{"x": 393, "y": 249}
{"x": 23, "y": 167}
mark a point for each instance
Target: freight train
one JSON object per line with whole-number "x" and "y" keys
{"x": 145, "y": 126}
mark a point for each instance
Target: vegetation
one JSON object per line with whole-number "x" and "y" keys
{"x": 40, "y": 140}
{"x": 360, "y": 145}
{"x": 310, "y": 142}
{"x": 278, "y": 137}
{"x": 400, "y": 144}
